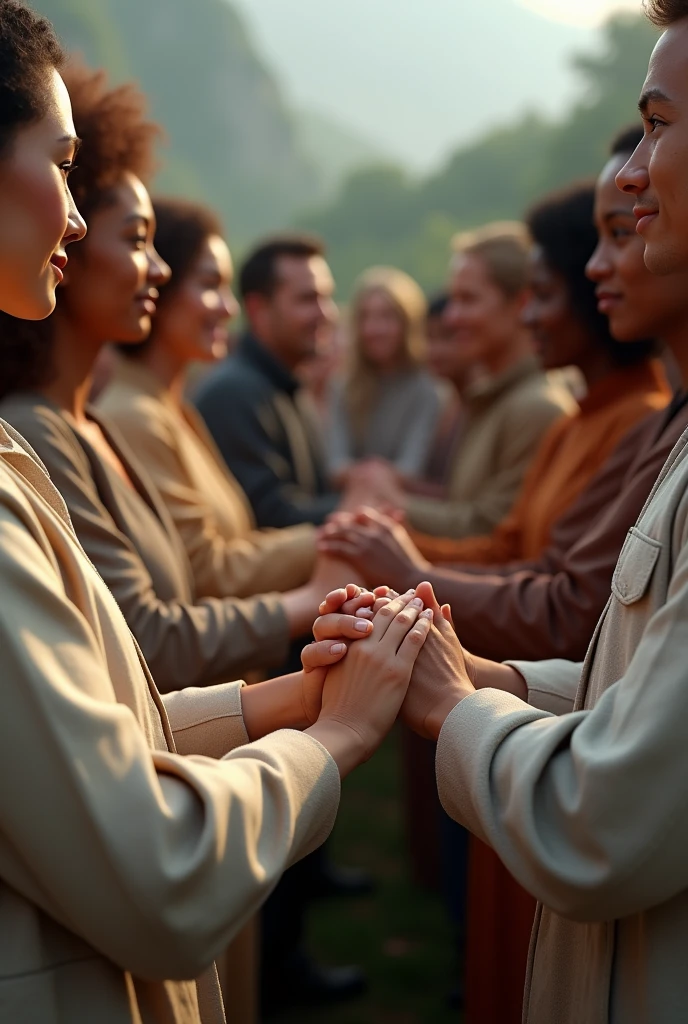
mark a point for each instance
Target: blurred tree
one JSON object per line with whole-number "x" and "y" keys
{"x": 382, "y": 216}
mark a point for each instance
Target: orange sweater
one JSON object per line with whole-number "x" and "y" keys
{"x": 571, "y": 453}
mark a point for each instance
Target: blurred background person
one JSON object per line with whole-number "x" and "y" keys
{"x": 145, "y": 399}
{"x": 508, "y": 407}
{"x": 259, "y": 415}
{"x": 386, "y": 405}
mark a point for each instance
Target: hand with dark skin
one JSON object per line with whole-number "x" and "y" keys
{"x": 377, "y": 546}
{"x": 445, "y": 674}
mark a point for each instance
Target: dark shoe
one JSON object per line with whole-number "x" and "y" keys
{"x": 308, "y": 984}
{"x": 336, "y": 880}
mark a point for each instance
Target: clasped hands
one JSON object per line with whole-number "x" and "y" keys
{"x": 378, "y": 656}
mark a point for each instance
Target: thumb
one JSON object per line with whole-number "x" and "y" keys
{"x": 427, "y": 595}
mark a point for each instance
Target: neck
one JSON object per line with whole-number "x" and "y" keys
{"x": 166, "y": 366}
{"x": 519, "y": 346}
{"x": 596, "y": 366}
{"x": 276, "y": 351}
{"x": 676, "y": 339}
{"x": 75, "y": 356}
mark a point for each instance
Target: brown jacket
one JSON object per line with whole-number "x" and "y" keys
{"x": 228, "y": 555}
{"x": 574, "y": 449}
{"x": 549, "y": 608}
{"x": 588, "y": 809}
{"x": 505, "y": 419}
{"x": 187, "y": 639}
{"x": 125, "y": 868}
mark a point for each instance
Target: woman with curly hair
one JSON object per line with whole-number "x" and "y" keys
{"x": 190, "y": 634}
{"x": 125, "y": 866}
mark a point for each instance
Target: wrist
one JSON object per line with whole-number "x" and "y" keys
{"x": 497, "y": 676}
{"x": 272, "y": 705}
{"x": 441, "y": 712}
{"x": 345, "y": 745}
{"x": 301, "y": 609}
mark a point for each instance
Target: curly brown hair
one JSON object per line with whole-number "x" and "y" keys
{"x": 665, "y": 12}
{"x": 28, "y": 49}
{"x": 116, "y": 135}
{"x": 116, "y": 138}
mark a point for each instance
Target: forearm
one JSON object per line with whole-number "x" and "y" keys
{"x": 496, "y": 676}
{"x": 273, "y": 705}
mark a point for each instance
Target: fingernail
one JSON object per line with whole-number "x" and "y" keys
{"x": 363, "y": 625}
{"x": 427, "y": 614}
{"x": 337, "y": 648}
{"x": 408, "y": 592}
{"x": 416, "y": 603}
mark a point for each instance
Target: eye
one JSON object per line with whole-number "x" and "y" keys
{"x": 654, "y": 122}
{"x": 619, "y": 233}
{"x": 67, "y": 167}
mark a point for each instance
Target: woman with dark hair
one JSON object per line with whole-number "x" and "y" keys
{"x": 624, "y": 383}
{"x": 125, "y": 868}
{"x": 189, "y": 635}
{"x": 145, "y": 399}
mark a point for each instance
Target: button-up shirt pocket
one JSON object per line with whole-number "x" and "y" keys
{"x": 636, "y": 564}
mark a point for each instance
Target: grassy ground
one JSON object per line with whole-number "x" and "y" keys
{"x": 400, "y": 935}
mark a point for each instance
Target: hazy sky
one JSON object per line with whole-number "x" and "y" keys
{"x": 418, "y": 76}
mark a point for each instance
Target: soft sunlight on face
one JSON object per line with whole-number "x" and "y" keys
{"x": 581, "y": 13}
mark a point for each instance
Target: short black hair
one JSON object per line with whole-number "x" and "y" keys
{"x": 627, "y": 140}
{"x": 562, "y": 226}
{"x": 28, "y": 49}
{"x": 437, "y": 305}
{"x": 665, "y": 12}
{"x": 258, "y": 275}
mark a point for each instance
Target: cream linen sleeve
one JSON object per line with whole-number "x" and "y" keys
{"x": 154, "y": 859}
{"x": 552, "y": 685}
{"x": 587, "y": 810}
{"x": 207, "y": 720}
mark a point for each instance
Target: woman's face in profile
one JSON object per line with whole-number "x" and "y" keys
{"x": 381, "y": 329}
{"x": 560, "y": 338}
{"x": 193, "y": 324}
{"x": 38, "y": 217}
{"x": 111, "y": 287}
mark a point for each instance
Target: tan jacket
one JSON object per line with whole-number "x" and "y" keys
{"x": 588, "y": 809}
{"x": 228, "y": 555}
{"x": 123, "y": 864}
{"x": 506, "y": 418}
{"x": 187, "y": 639}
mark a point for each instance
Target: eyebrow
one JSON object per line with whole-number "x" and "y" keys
{"x": 75, "y": 141}
{"x": 137, "y": 216}
{"x": 648, "y": 96}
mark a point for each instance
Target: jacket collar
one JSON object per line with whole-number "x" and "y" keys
{"x": 251, "y": 351}
{"x": 488, "y": 389}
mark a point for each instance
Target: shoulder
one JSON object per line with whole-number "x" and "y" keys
{"x": 45, "y": 428}
{"x": 538, "y": 393}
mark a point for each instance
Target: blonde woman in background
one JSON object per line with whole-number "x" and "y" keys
{"x": 387, "y": 405}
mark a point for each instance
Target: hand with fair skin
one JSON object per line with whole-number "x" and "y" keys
{"x": 445, "y": 674}
{"x": 362, "y": 695}
{"x": 372, "y": 483}
{"x": 378, "y": 546}
{"x": 293, "y": 701}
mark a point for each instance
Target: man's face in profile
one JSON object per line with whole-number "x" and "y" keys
{"x": 657, "y": 173}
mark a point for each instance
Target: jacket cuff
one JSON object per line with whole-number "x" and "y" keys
{"x": 207, "y": 721}
{"x": 552, "y": 685}
{"x": 466, "y": 749}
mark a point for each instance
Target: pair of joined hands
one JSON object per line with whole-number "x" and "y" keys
{"x": 377, "y": 656}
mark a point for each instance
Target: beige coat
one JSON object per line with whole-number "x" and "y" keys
{"x": 588, "y": 809}
{"x": 187, "y": 638}
{"x": 505, "y": 419}
{"x": 228, "y": 555}
{"x": 123, "y": 864}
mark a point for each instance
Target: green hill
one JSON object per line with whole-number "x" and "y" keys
{"x": 232, "y": 139}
